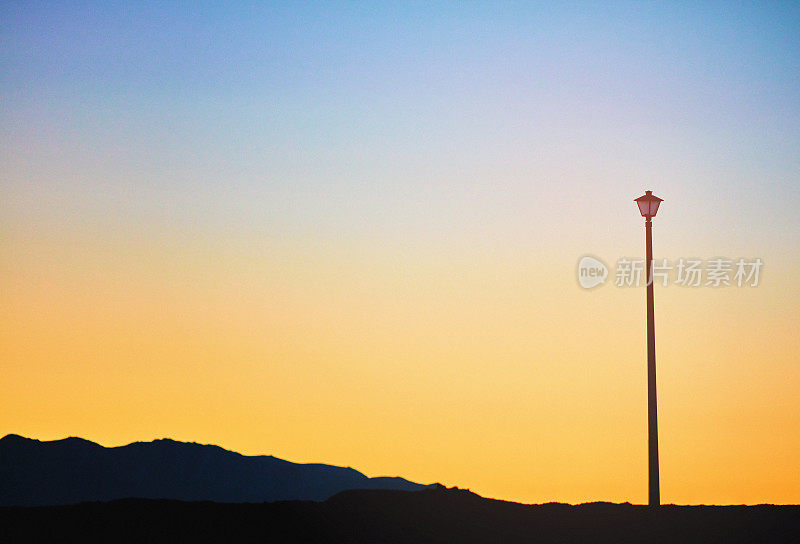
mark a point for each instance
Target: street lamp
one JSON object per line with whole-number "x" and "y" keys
{"x": 648, "y": 206}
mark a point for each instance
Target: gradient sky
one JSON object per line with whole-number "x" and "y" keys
{"x": 347, "y": 233}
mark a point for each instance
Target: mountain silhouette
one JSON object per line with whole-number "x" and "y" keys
{"x": 73, "y": 470}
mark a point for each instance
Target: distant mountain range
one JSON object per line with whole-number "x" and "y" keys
{"x": 73, "y": 470}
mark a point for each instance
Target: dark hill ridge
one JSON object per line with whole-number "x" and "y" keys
{"x": 74, "y": 470}
{"x": 434, "y": 515}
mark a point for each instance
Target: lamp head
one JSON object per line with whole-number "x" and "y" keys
{"x": 648, "y": 204}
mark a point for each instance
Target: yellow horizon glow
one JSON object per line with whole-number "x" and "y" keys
{"x": 480, "y": 368}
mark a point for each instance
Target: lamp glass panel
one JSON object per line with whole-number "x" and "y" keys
{"x": 654, "y": 207}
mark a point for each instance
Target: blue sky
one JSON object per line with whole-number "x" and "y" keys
{"x": 450, "y": 123}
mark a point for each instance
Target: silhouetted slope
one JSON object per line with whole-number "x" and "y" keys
{"x": 74, "y": 470}
{"x": 461, "y": 516}
{"x": 395, "y": 517}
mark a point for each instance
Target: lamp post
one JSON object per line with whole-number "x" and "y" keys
{"x": 648, "y": 206}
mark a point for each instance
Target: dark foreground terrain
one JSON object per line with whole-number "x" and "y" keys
{"x": 372, "y": 516}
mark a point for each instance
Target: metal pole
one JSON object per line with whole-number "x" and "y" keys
{"x": 652, "y": 415}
